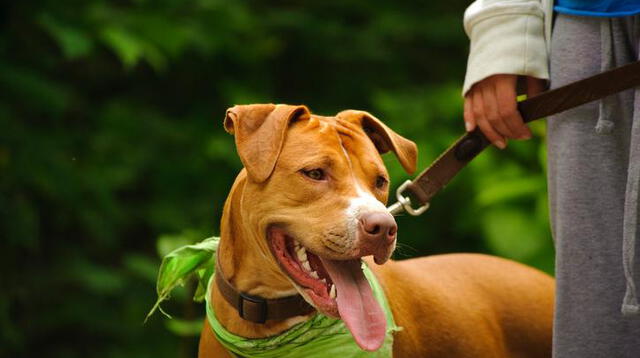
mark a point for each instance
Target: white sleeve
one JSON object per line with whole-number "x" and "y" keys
{"x": 507, "y": 37}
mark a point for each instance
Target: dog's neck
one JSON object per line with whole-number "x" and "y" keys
{"x": 248, "y": 269}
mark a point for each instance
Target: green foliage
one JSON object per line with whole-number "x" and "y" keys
{"x": 112, "y": 149}
{"x": 182, "y": 262}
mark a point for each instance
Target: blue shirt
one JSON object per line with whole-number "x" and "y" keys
{"x": 601, "y": 8}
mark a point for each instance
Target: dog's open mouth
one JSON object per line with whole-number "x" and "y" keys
{"x": 337, "y": 288}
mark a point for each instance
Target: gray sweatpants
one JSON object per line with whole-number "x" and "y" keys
{"x": 590, "y": 174}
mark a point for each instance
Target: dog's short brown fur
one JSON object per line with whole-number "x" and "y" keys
{"x": 457, "y": 305}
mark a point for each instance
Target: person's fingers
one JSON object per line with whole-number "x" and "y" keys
{"x": 507, "y": 107}
{"x": 491, "y": 110}
{"x": 481, "y": 121}
{"x": 469, "y": 120}
{"x": 491, "y": 134}
{"x": 476, "y": 103}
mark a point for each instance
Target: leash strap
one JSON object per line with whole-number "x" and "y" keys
{"x": 428, "y": 183}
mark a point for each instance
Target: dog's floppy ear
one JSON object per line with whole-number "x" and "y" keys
{"x": 385, "y": 139}
{"x": 259, "y": 131}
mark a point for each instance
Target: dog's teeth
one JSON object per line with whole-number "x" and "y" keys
{"x": 332, "y": 291}
{"x": 302, "y": 254}
{"x": 306, "y": 266}
{"x": 323, "y": 281}
{"x": 314, "y": 274}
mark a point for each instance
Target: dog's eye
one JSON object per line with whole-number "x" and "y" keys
{"x": 381, "y": 182}
{"x": 315, "y": 174}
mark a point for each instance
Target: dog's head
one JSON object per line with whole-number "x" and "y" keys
{"x": 315, "y": 195}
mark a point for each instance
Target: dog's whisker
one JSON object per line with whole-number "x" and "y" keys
{"x": 404, "y": 251}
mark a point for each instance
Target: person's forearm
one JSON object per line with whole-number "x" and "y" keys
{"x": 507, "y": 37}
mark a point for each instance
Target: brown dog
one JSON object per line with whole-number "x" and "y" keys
{"x": 318, "y": 184}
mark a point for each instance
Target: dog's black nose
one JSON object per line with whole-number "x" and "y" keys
{"x": 378, "y": 226}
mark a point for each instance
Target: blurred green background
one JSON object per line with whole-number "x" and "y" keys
{"x": 112, "y": 150}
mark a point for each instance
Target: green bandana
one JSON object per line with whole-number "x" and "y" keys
{"x": 320, "y": 336}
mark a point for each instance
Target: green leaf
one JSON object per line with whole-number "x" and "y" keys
{"x": 168, "y": 243}
{"x": 73, "y": 42}
{"x": 126, "y": 46}
{"x": 131, "y": 49}
{"x": 179, "y": 264}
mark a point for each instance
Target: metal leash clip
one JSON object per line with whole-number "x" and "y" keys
{"x": 404, "y": 203}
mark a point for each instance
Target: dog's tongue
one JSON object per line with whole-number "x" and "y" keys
{"x": 358, "y": 308}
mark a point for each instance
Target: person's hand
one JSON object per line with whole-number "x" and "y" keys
{"x": 491, "y": 105}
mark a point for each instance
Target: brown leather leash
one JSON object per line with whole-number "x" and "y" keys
{"x": 428, "y": 183}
